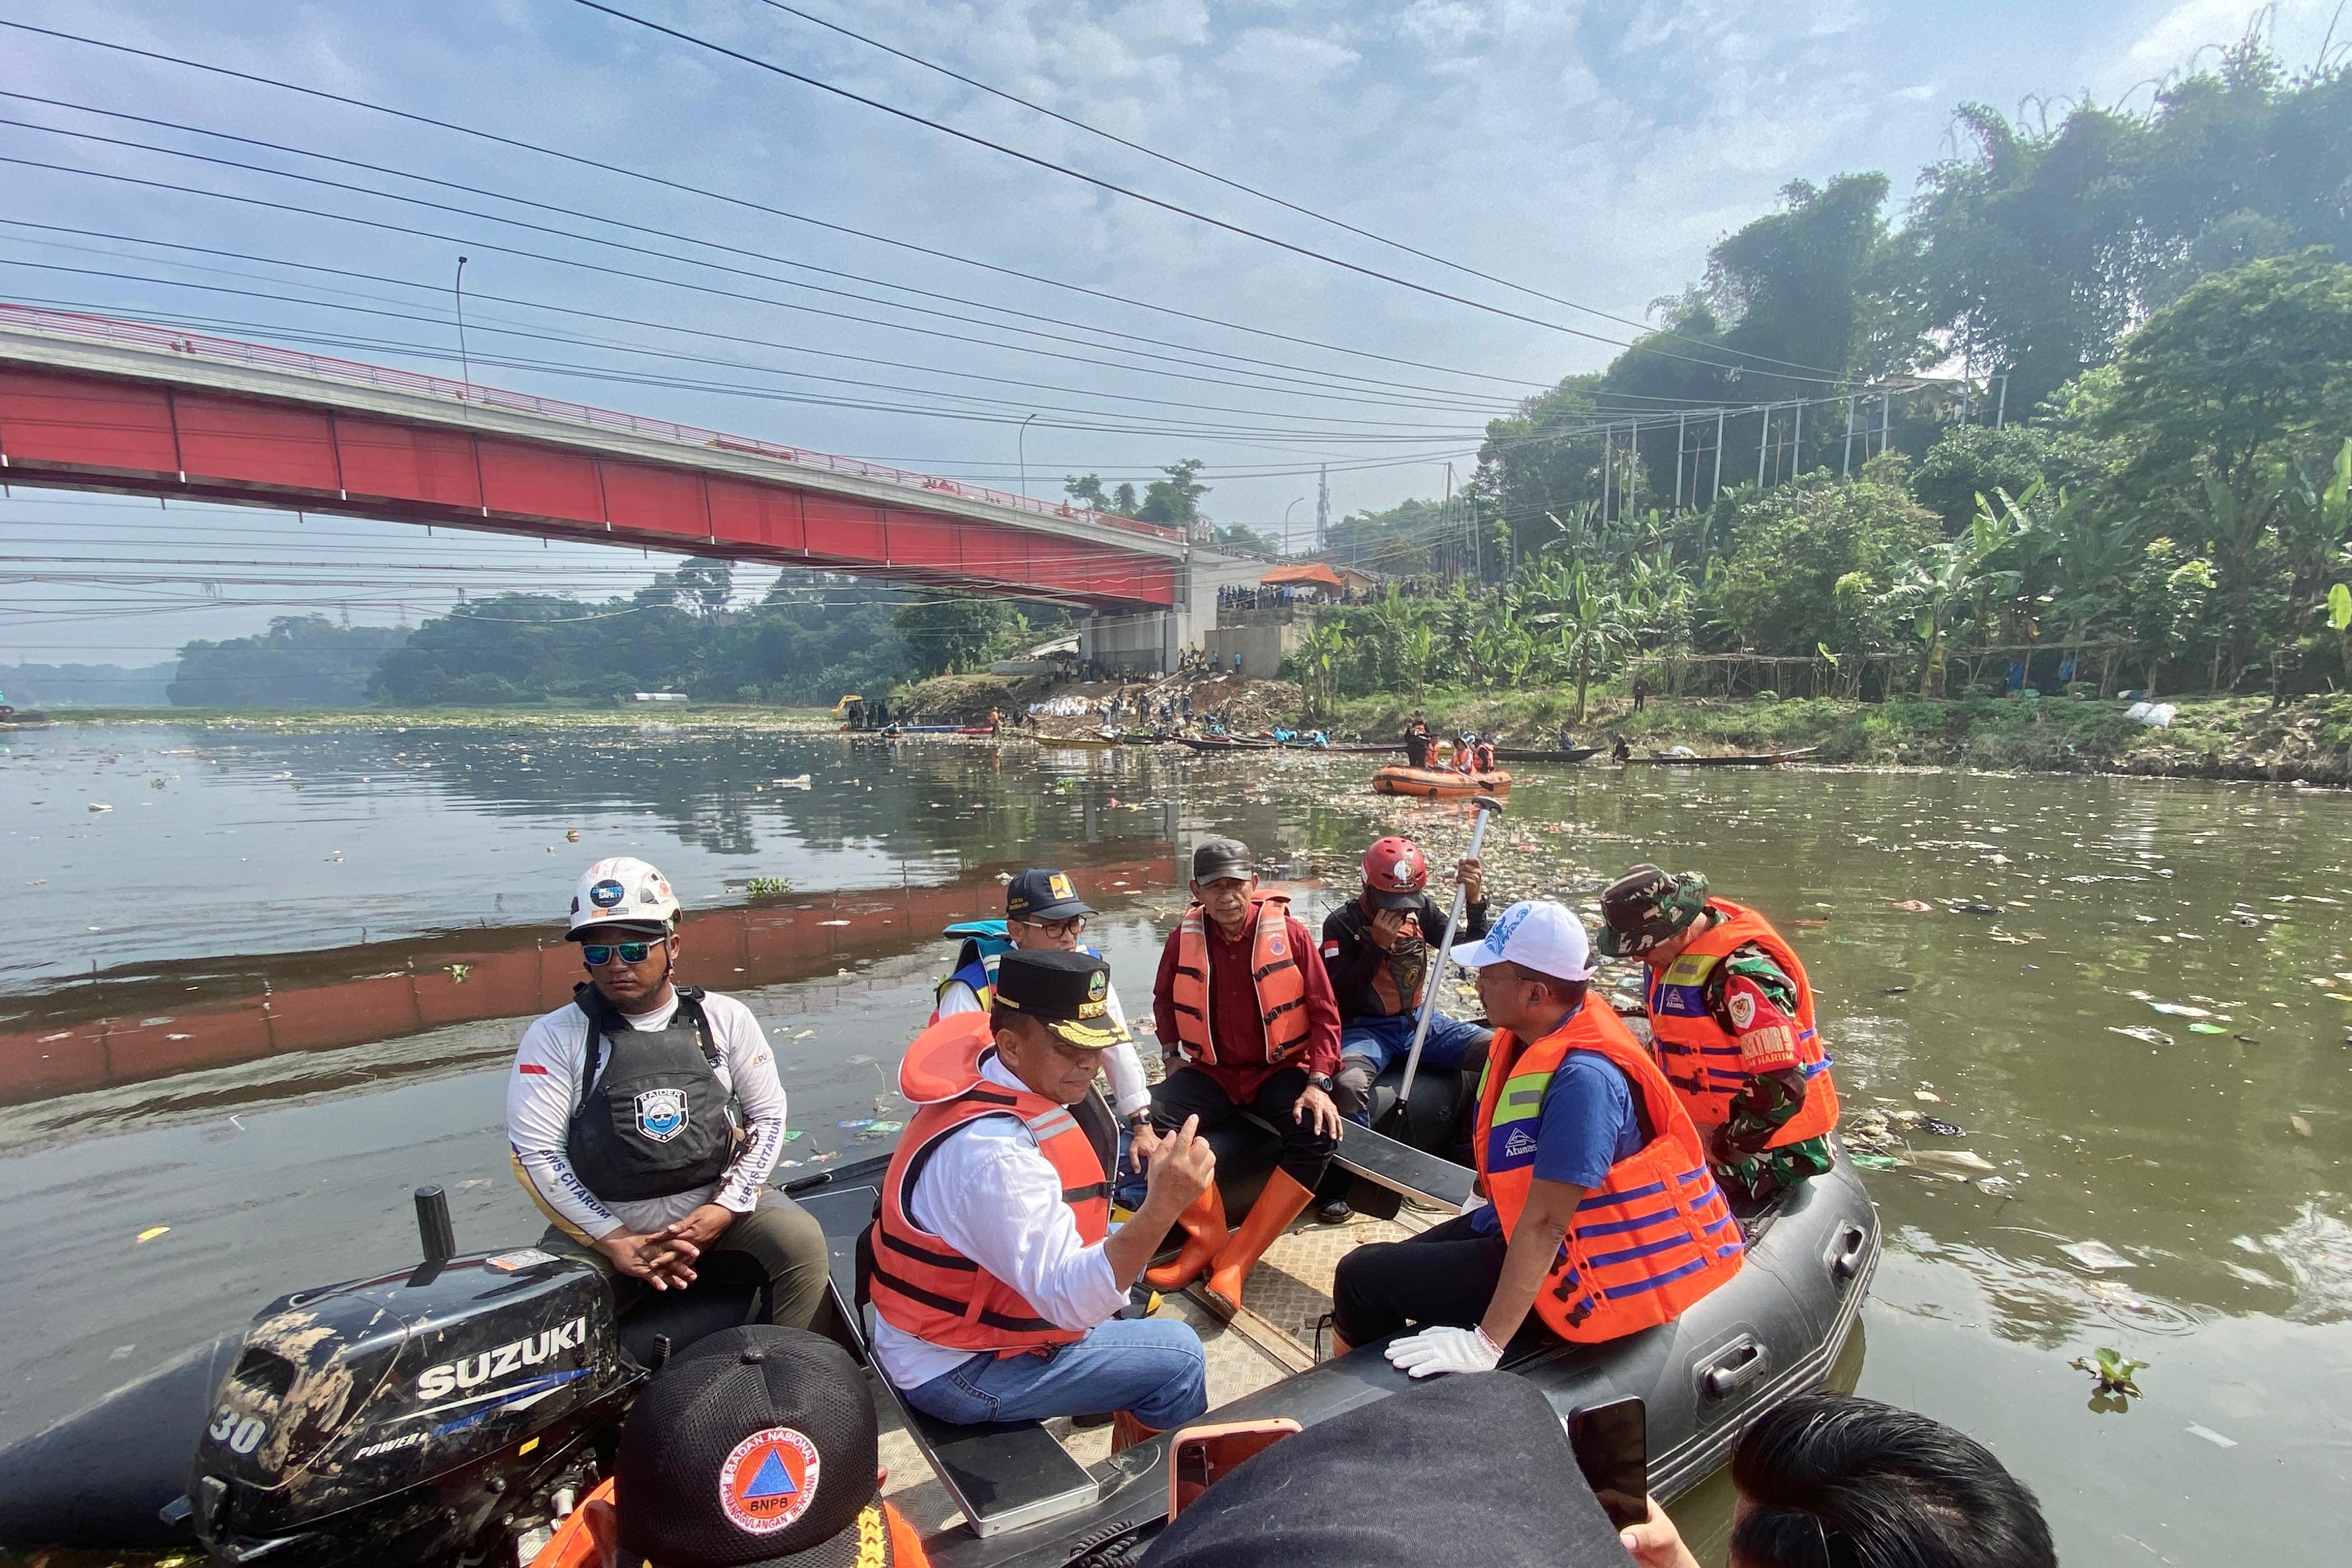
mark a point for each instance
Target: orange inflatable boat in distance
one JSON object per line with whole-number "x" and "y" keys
{"x": 1438, "y": 784}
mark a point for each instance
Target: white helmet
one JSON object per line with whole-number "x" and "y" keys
{"x": 623, "y": 891}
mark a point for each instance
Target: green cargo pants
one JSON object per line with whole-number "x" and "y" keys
{"x": 781, "y": 1237}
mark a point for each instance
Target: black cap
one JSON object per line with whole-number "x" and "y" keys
{"x": 755, "y": 1445}
{"x": 1222, "y": 857}
{"x": 1038, "y": 894}
{"x": 1069, "y": 992}
{"x": 1474, "y": 1468}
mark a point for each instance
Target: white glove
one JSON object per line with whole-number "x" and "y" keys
{"x": 1437, "y": 1350}
{"x": 1474, "y": 1203}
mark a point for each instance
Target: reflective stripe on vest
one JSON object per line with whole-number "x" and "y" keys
{"x": 975, "y": 966}
{"x": 1701, "y": 1058}
{"x": 1280, "y": 985}
{"x": 1656, "y": 1236}
{"x": 922, "y": 1286}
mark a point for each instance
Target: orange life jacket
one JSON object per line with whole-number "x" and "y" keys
{"x": 1482, "y": 758}
{"x": 1701, "y": 1058}
{"x": 919, "y": 1284}
{"x": 1274, "y": 970}
{"x": 590, "y": 1536}
{"x": 1656, "y": 1236}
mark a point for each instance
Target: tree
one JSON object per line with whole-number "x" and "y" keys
{"x": 1945, "y": 577}
{"x": 952, "y": 633}
{"x": 1790, "y": 546}
{"x": 301, "y": 661}
{"x": 2248, "y": 367}
{"x": 705, "y": 584}
{"x": 1976, "y": 460}
{"x": 1176, "y": 499}
{"x": 1240, "y": 537}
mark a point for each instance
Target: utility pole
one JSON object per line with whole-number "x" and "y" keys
{"x": 1322, "y": 505}
{"x": 2000, "y": 409}
{"x": 1716, "y": 492}
{"x": 1681, "y": 421}
{"x": 1885, "y": 420}
{"x": 1608, "y": 466}
{"x": 1763, "y": 433}
{"x": 1021, "y": 450}
{"x": 1796, "y": 442}
{"x": 1632, "y": 468}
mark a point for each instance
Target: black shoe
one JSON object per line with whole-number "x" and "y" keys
{"x": 1333, "y": 1211}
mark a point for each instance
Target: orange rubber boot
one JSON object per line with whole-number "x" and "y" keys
{"x": 1277, "y": 1206}
{"x": 1205, "y": 1236}
{"x": 1126, "y": 1432}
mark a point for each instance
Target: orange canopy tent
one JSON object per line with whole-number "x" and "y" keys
{"x": 1307, "y": 575}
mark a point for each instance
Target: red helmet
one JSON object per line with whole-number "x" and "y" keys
{"x": 1395, "y": 872}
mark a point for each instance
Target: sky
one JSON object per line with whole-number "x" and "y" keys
{"x": 993, "y": 319}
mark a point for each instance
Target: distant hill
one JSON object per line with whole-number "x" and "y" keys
{"x": 88, "y": 685}
{"x": 301, "y": 661}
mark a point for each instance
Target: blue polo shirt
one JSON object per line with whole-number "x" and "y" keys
{"x": 1588, "y": 1124}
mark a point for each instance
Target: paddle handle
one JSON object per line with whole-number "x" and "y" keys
{"x": 1444, "y": 955}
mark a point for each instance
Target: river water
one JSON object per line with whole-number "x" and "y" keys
{"x": 273, "y": 987}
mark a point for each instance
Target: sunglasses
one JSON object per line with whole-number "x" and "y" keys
{"x": 596, "y": 954}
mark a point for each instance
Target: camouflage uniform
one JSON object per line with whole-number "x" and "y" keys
{"x": 1754, "y": 1002}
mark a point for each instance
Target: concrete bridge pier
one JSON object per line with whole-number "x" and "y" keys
{"x": 1141, "y": 641}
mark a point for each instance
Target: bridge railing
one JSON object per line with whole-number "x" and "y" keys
{"x": 201, "y": 345}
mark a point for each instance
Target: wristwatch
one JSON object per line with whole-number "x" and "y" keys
{"x": 1322, "y": 1080}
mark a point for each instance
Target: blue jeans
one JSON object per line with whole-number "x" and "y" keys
{"x": 1383, "y": 1042}
{"x": 1152, "y": 1368}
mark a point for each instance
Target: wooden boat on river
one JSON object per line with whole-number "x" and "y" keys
{"x": 1543, "y": 754}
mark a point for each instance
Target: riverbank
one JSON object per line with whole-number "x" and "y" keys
{"x": 2309, "y": 740}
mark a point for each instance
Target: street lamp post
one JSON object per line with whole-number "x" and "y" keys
{"x": 1021, "y": 446}
{"x": 1286, "y": 527}
{"x": 465, "y": 366}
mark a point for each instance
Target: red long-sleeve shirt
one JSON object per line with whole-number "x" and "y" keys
{"x": 1233, "y": 1016}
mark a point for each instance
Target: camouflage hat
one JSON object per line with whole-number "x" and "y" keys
{"x": 1647, "y": 906}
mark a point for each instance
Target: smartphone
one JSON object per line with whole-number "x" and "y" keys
{"x": 1612, "y": 1448}
{"x": 1198, "y": 1456}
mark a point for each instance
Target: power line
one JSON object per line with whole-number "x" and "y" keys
{"x": 1133, "y": 194}
{"x": 1262, "y": 195}
{"x": 626, "y": 225}
{"x": 579, "y": 159}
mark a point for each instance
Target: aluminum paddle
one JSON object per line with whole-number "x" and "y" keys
{"x": 1488, "y": 808}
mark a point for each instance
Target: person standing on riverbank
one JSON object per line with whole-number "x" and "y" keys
{"x": 1732, "y": 1013}
{"x": 646, "y": 1117}
{"x": 1243, "y": 999}
{"x": 1044, "y": 912}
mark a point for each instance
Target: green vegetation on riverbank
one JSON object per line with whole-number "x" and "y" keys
{"x": 2229, "y": 737}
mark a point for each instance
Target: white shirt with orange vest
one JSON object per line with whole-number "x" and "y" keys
{"x": 993, "y": 1196}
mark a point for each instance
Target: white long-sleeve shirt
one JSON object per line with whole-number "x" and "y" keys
{"x": 544, "y": 1087}
{"x": 990, "y": 1193}
{"x": 1128, "y": 1091}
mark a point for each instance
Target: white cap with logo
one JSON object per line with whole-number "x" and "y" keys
{"x": 1535, "y": 934}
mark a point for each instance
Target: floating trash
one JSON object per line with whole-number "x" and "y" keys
{"x": 2194, "y": 1430}
{"x": 2142, "y": 1032}
{"x": 151, "y": 1233}
{"x": 854, "y": 1126}
{"x": 2096, "y": 1255}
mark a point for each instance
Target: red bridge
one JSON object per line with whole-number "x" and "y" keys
{"x": 90, "y": 404}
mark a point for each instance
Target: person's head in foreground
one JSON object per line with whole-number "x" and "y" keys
{"x": 1827, "y": 1481}
{"x": 1473, "y": 1469}
{"x": 755, "y": 1447}
{"x": 1533, "y": 967}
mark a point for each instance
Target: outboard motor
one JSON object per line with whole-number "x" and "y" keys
{"x": 415, "y": 1418}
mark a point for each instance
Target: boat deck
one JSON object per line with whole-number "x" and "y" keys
{"x": 1287, "y": 1296}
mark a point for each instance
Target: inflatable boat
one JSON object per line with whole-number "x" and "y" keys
{"x": 328, "y": 1431}
{"x": 1438, "y": 784}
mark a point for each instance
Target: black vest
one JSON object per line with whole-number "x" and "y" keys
{"x": 652, "y": 1119}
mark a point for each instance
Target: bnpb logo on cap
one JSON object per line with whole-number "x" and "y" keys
{"x": 768, "y": 1480}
